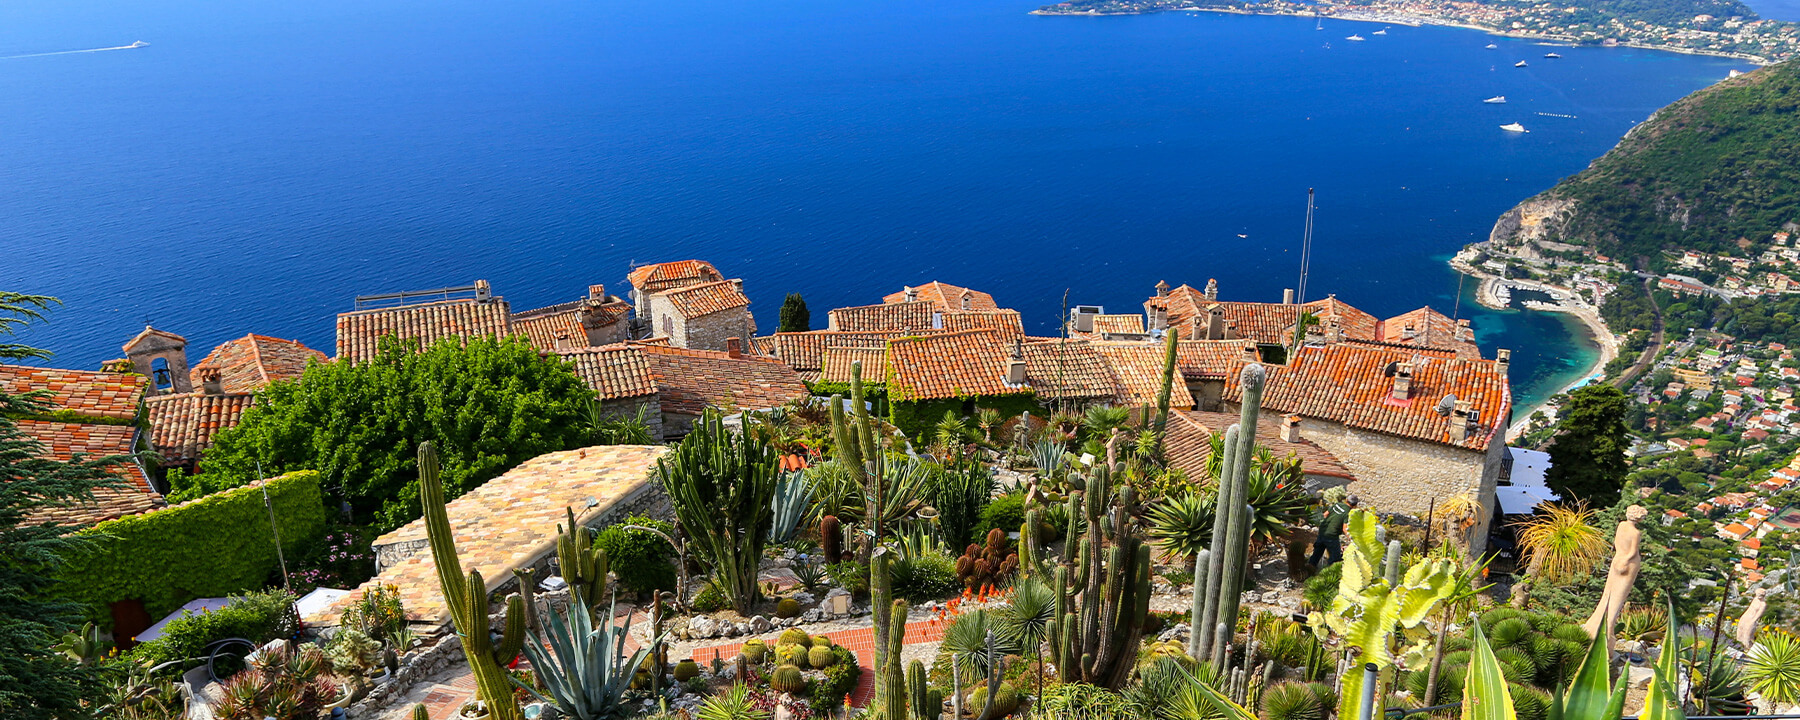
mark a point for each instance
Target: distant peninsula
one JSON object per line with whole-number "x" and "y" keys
{"x": 1713, "y": 27}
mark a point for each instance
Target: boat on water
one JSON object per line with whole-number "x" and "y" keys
{"x": 1355, "y": 38}
{"x": 1382, "y": 31}
{"x": 1514, "y": 127}
{"x": 139, "y": 44}
{"x": 1492, "y": 46}
{"x": 1318, "y": 23}
{"x": 1552, "y": 55}
{"x": 1520, "y": 63}
{"x": 1496, "y": 100}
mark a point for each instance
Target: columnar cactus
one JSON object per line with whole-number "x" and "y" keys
{"x": 892, "y": 668}
{"x": 831, "y": 538}
{"x": 1030, "y": 562}
{"x": 922, "y": 702}
{"x": 583, "y": 565}
{"x": 881, "y": 598}
{"x": 466, "y": 598}
{"x": 1231, "y": 531}
{"x": 1168, "y": 384}
{"x": 1098, "y": 638}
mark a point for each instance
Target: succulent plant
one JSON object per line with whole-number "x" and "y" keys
{"x": 1006, "y": 701}
{"x": 795, "y": 636}
{"x": 787, "y": 679}
{"x": 686, "y": 670}
{"x": 1291, "y": 701}
{"x": 822, "y": 641}
{"x": 790, "y": 654}
{"x": 754, "y": 650}
{"x": 787, "y": 608}
{"x": 821, "y": 657}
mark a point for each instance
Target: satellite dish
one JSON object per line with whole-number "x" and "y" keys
{"x": 1446, "y": 405}
{"x": 1393, "y": 369}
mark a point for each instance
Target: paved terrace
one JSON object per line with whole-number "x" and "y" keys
{"x": 510, "y": 522}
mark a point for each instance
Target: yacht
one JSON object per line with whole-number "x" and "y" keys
{"x": 139, "y": 44}
{"x": 1355, "y": 38}
{"x": 1552, "y": 55}
{"x": 1496, "y": 100}
{"x": 1514, "y": 127}
{"x": 1491, "y": 46}
{"x": 1382, "y": 31}
{"x": 1520, "y": 63}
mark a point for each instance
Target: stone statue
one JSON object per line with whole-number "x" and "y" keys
{"x": 1628, "y": 557}
{"x": 1746, "y": 625}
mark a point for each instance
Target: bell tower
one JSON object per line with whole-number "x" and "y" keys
{"x": 162, "y": 357}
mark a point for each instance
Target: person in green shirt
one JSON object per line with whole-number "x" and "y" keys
{"x": 1331, "y": 531}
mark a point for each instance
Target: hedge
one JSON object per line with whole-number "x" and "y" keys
{"x": 211, "y": 547}
{"x": 919, "y": 418}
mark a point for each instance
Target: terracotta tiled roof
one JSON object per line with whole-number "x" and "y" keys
{"x": 907, "y": 317}
{"x": 764, "y": 345}
{"x": 946, "y": 297}
{"x": 182, "y": 426}
{"x": 1266, "y": 323}
{"x": 681, "y": 273}
{"x": 96, "y": 394}
{"x": 1004, "y": 322}
{"x": 1426, "y": 327}
{"x": 657, "y": 341}
{"x": 839, "y": 359}
{"x": 1189, "y": 444}
{"x": 1070, "y": 369}
{"x": 614, "y": 371}
{"x": 541, "y": 326}
{"x": 948, "y": 365}
{"x": 690, "y": 380}
{"x": 806, "y": 350}
{"x": 1139, "y": 368}
{"x": 707, "y": 298}
{"x": 359, "y": 333}
{"x": 1126, "y": 324}
{"x": 63, "y": 441}
{"x": 1348, "y": 383}
{"x": 251, "y": 362}
{"x": 1213, "y": 359}
{"x": 1357, "y": 325}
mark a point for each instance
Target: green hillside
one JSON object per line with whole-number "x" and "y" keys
{"x": 1716, "y": 166}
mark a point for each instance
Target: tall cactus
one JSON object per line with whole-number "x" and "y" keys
{"x": 466, "y": 598}
{"x": 858, "y": 450}
{"x": 892, "y": 679}
{"x": 1168, "y": 386}
{"x": 923, "y": 703}
{"x": 1099, "y": 634}
{"x": 583, "y": 565}
{"x": 1031, "y": 561}
{"x": 1231, "y": 531}
{"x": 881, "y": 599}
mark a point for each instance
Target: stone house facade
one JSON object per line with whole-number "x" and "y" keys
{"x": 703, "y": 316}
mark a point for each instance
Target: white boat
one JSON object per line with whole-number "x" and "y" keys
{"x": 1355, "y": 38}
{"x": 1496, "y": 100}
{"x": 1382, "y": 31}
{"x": 139, "y": 44}
{"x": 1514, "y": 127}
{"x": 1492, "y": 46}
{"x": 1552, "y": 55}
{"x": 1520, "y": 63}
{"x": 1318, "y": 23}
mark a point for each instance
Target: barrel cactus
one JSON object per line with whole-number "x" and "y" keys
{"x": 754, "y": 650}
{"x": 686, "y": 670}
{"x": 821, "y": 641}
{"x": 787, "y": 608}
{"x": 1006, "y": 702}
{"x": 795, "y": 636}
{"x": 790, "y": 654}
{"x": 787, "y": 679}
{"x": 821, "y": 657}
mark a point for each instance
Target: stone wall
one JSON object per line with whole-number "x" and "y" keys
{"x": 1398, "y": 475}
{"x": 628, "y": 408}
{"x": 709, "y": 332}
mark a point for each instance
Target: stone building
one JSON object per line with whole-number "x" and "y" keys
{"x": 162, "y": 357}
{"x": 701, "y": 316}
{"x": 1189, "y": 446}
{"x": 220, "y": 388}
{"x": 672, "y": 386}
{"x": 648, "y": 280}
{"x": 595, "y": 320}
{"x": 93, "y": 415}
{"x": 944, "y": 297}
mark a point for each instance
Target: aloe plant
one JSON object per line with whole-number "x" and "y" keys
{"x": 583, "y": 664}
{"x": 793, "y": 495}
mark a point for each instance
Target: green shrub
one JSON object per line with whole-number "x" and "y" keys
{"x": 1530, "y": 703}
{"x": 642, "y": 561}
{"x": 1007, "y": 513}
{"x": 1321, "y": 588}
{"x": 1291, "y": 701}
{"x": 840, "y": 680}
{"x": 258, "y": 617}
{"x": 923, "y": 577}
{"x": 850, "y": 575}
{"x": 212, "y": 547}
{"x": 711, "y": 598}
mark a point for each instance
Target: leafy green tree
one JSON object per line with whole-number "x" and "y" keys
{"x": 1587, "y": 461}
{"x": 489, "y": 404}
{"x": 35, "y": 681}
{"x": 794, "y": 315}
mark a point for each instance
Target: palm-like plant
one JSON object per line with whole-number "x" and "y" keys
{"x": 1026, "y": 619}
{"x": 1100, "y": 420}
{"x": 953, "y": 431}
{"x": 583, "y": 663}
{"x": 1278, "y": 500}
{"x": 1561, "y": 543}
{"x": 965, "y": 641}
{"x": 1183, "y": 525}
{"x": 734, "y": 704}
{"x": 988, "y": 420}
{"x": 1774, "y": 668}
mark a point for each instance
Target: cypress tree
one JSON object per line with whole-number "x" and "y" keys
{"x": 794, "y": 315}
{"x": 1587, "y": 460}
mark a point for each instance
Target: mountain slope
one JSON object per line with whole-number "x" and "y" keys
{"x": 1716, "y": 166}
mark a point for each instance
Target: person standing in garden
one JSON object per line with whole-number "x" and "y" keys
{"x": 1332, "y": 517}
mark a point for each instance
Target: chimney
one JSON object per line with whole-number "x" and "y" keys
{"x": 1162, "y": 289}
{"x": 1334, "y": 330}
{"x": 1462, "y": 421}
{"x": 562, "y": 340}
{"x": 1215, "y": 323}
{"x": 1503, "y": 356}
{"x": 1084, "y": 321}
{"x": 1231, "y": 332}
{"x": 1403, "y": 380}
{"x": 1212, "y": 289}
{"x": 210, "y": 381}
{"x": 734, "y": 347}
{"x": 1015, "y": 366}
{"x": 1250, "y": 353}
{"x": 1408, "y": 332}
{"x": 1463, "y": 331}
{"x": 1287, "y": 296}
{"x": 597, "y": 292}
{"x": 483, "y": 291}
{"x": 1159, "y": 318}
{"x": 968, "y": 298}
{"x": 1290, "y": 428}
{"x": 912, "y": 294}
{"x": 737, "y": 284}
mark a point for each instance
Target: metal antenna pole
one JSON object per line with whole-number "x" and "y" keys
{"x": 1305, "y": 268}
{"x": 273, "y": 530}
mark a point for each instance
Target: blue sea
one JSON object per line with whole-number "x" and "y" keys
{"x": 258, "y": 165}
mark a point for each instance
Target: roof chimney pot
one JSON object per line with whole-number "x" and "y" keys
{"x": 1403, "y": 381}
{"x": 1287, "y": 296}
{"x": 1212, "y": 289}
{"x": 211, "y": 381}
{"x": 1290, "y": 428}
{"x": 1503, "y": 356}
{"x": 1015, "y": 365}
{"x": 483, "y": 291}
{"x": 1162, "y": 289}
{"x": 912, "y": 294}
{"x": 597, "y": 292}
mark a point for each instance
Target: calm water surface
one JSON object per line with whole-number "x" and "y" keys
{"x": 258, "y": 165}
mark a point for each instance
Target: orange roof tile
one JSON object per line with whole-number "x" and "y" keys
{"x": 947, "y": 298}
{"x": 1348, "y": 383}
{"x": 838, "y": 361}
{"x": 707, "y": 298}
{"x": 949, "y": 365}
{"x": 1139, "y": 368}
{"x": 658, "y": 277}
{"x": 1189, "y": 444}
{"x": 688, "y": 381}
{"x": 62, "y": 441}
{"x": 806, "y": 350}
{"x": 1213, "y": 359}
{"x": 908, "y": 317}
{"x": 182, "y": 426}
{"x": 250, "y": 363}
{"x": 1426, "y": 327}
{"x": 1070, "y": 369}
{"x": 96, "y": 394}
{"x": 1266, "y": 323}
{"x": 1119, "y": 324}
{"x": 359, "y": 333}
{"x": 1004, "y": 322}
{"x": 614, "y": 371}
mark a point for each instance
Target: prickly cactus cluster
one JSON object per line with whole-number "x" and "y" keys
{"x": 987, "y": 564}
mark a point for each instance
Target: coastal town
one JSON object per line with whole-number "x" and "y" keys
{"x": 1745, "y": 37}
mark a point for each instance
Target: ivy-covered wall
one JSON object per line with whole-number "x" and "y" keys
{"x": 873, "y": 393}
{"x": 919, "y": 418}
{"x": 211, "y": 547}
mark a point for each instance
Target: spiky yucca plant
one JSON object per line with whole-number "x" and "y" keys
{"x": 1774, "y": 667}
{"x": 1560, "y": 542}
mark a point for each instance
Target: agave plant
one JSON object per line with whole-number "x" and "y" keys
{"x": 1774, "y": 667}
{"x": 582, "y": 663}
{"x": 793, "y": 496}
{"x": 1182, "y": 525}
{"x": 1100, "y": 420}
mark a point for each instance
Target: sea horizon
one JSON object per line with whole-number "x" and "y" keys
{"x": 254, "y": 169}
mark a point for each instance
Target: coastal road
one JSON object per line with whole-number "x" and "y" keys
{"x": 1656, "y": 341}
